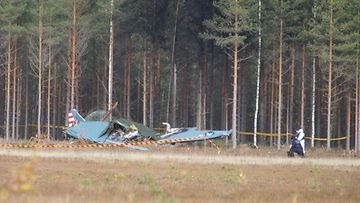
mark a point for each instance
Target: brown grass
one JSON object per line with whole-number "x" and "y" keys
{"x": 180, "y": 174}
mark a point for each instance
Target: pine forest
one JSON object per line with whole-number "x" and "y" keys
{"x": 256, "y": 67}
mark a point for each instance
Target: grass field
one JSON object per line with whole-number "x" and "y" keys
{"x": 177, "y": 174}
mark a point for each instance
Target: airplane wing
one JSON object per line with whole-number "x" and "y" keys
{"x": 89, "y": 130}
{"x": 196, "y": 135}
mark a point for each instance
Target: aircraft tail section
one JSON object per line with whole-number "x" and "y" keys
{"x": 74, "y": 117}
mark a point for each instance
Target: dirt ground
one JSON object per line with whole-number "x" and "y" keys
{"x": 180, "y": 173}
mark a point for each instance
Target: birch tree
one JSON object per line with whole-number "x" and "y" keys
{"x": 258, "y": 76}
{"x": 313, "y": 91}
{"x": 40, "y": 65}
{"x": 111, "y": 60}
{"x": 328, "y": 131}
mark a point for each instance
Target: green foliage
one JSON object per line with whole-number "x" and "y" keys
{"x": 149, "y": 21}
{"x": 223, "y": 29}
{"x": 87, "y": 182}
{"x": 116, "y": 178}
{"x": 345, "y": 34}
{"x": 232, "y": 178}
{"x": 153, "y": 187}
{"x": 11, "y": 12}
{"x": 144, "y": 180}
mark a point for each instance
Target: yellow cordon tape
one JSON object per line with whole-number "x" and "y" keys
{"x": 97, "y": 145}
{"x": 264, "y": 134}
{"x": 331, "y": 139}
{"x": 50, "y": 126}
{"x": 286, "y": 134}
{"x": 42, "y": 126}
{"x": 238, "y": 132}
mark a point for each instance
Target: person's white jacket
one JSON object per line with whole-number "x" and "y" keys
{"x": 301, "y": 138}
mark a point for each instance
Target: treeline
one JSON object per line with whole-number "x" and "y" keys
{"x": 269, "y": 66}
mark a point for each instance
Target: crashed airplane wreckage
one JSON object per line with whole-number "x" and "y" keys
{"x": 97, "y": 128}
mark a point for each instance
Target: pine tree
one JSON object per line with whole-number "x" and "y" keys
{"x": 229, "y": 29}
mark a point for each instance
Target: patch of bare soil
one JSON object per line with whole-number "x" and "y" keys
{"x": 179, "y": 173}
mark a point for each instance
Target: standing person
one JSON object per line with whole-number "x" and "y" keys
{"x": 297, "y": 144}
{"x": 301, "y": 137}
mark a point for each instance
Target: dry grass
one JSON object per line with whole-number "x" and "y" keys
{"x": 181, "y": 174}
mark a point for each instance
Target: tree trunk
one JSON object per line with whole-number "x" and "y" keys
{"x": 320, "y": 98}
{"x": 348, "y": 120}
{"x": 203, "y": 86}
{"x": 169, "y": 96}
{"x": 264, "y": 90}
{"x": 111, "y": 61}
{"x": 128, "y": 80}
{"x": 138, "y": 106}
{"x": 257, "y": 78}
{"x": 200, "y": 89}
{"x": 40, "y": 68}
{"x": 313, "y": 99}
{"x": 68, "y": 88}
{"x": 313, "y": 102}
{"x": 234, "y": 104}
{"x": 98, "y": 81}
{"x": 105, "y": 78}
{"x": 73, "y": 56}
{"x": 198, "y": 109}
{"x": 287, "y": 116}
{"x": 302, "y": 114}
{"x": 144, "y": 84}
{"x": 62, "y": 91}
{"x": 185, "y": 100}
{"x": 18, "y": 104}
{"x": 158, "y": 87}
{"x": 14, "y": 99}
{"x": 280, "y": 78}
{"x": 173, "y": 49}
{"x": 174, "y": 90}
{"x": 291, "y": 88}
{"x": 54, "y": 110}
{"x": 356, "y": 107}
{"x": 272, "y": 100}
{"x": 336, "y": 110}
{"x": 151, "y": 87}
{"x": 26, "y": 106}
{"x": 357, "y": 100}
{"x": 3, "y": 88}
{"x": 224, "y": 95}
{"x": 330, "y": 76}
{"x": 211, "y": 92}
{"x": 48, "y": 95}
{"x": 201, "y": 110}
